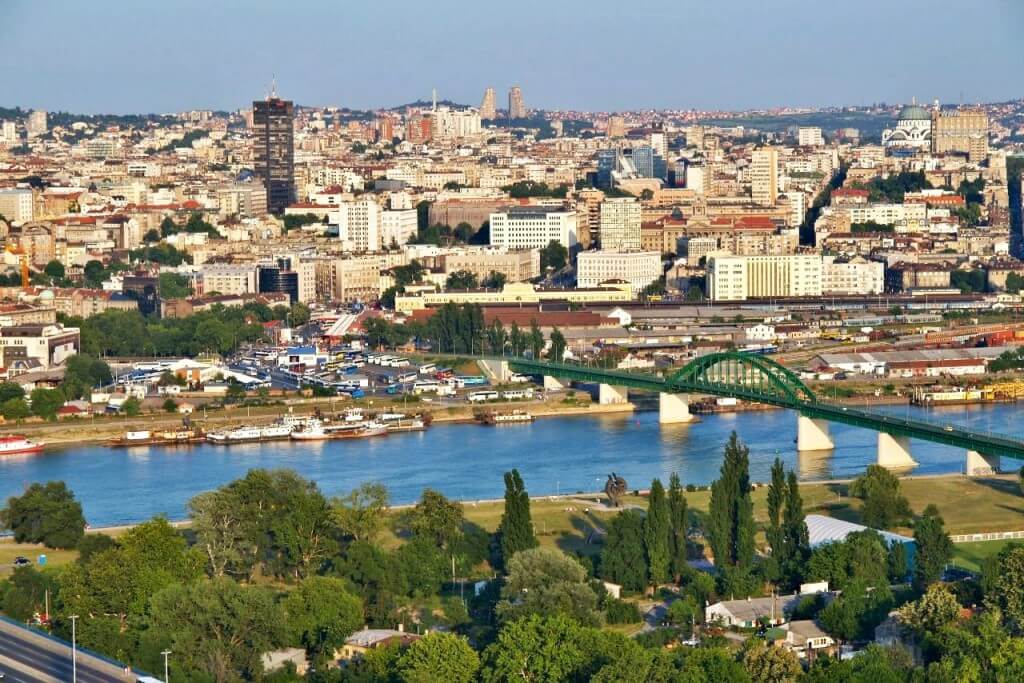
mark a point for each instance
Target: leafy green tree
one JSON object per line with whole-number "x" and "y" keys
{"x": 220, "y": 534}
{"x": 46, "y": 402}
{"x": 796, "y": 545}
{"x": 298, "y": 314}
{"x": 15, "y": 409}
{"x": 896, "y": 566}
{"x": 773, "y": 534}
{"x": 25, "y": 593}
{"x": 657, "y": 534}
{"x": 934, "y": 610}
{"x": 418, "y": 568}
{"x": 497, "y": 338}
{"x": 360, "y": 514}
{"x": 1004, "y": 586}
{"x": 517, "y": 340}
{"x": 174, "y": 286}
{"x": 767, "y": 664}
{"x": 9, "y": 390}
{"x": 558, "y": 346}
{"x": 131, "y": 406}
{"x": 884, "y": 504}
{"x": 218, "y": 629}
{"x": 170, "y": 405}
{"x": 464, "y": 232}
{"x": 515, "y": 533}
{"x": 54, "y": 270}
{"x": 536, "y": 339}
{"x": 731, "y": 514}
{"x": 494, "y": 280}
{"x": 93, "y": 544}
{"x": 546, "y": 581}
{"x": 45, "y": 513}
{"x": 437, "y": 518}
{"x": 321, "y": 614}
{"x": 535, "y": 648}
{"x": 82, "y": 372}
{"x": 934, "y": 548}
{"x": 168, "y": 227}
{"x": 622, "y": 558}
{"x": 857, "y": 611}
{"x": 677, "y": 526}
{"x": 554, "y": 256}
{"x": 439, "y": 657}
{"x": 862, "y": 556}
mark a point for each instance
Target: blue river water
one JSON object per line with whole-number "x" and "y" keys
{"x": 554, "y": 455}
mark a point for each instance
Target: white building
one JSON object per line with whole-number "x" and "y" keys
{"x": 736, "y": 278}
{"x": 913, "y": 130}
{"x": 639, "y": 268}
{"x": 533, "y": 227}
{"x": 226, "y": 279}
{"x": 454, "y": 124}
{"x": 798, "y": 207}
{"x": 620, "y": 224}
{"x": 9, "y": 133}
{"x": 36, "y": 124}
{"x": 764, "y": 176}
{"x": 359, "y": 224}
{"x": 397, "y": 227}
{"x": 856, "y": 276}
{"x": 810, "y": 136}
{"x": 16, "y": 205}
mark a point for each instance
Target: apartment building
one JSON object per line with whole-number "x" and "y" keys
{"x": 16, "y": 205}
{"x": 37, "y": 346}
{"x": 736, "y": 278}
{"x": 764, "y": 176}
{"x": 621, "y": 219}
{"x": 854, "y": 276}
{"x": 226, "y": 279}
{"x": 355, "y": 278}
{"x": 397, "y": 227}
{"x": 534, "y": 227}
{"x": 359, "y": 224}
{"x": 639, "y": 268}
{"x": 517, "y": 266}
{"x": 810, "y": 136}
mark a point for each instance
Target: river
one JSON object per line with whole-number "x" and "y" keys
{"x": 554, "y": 455}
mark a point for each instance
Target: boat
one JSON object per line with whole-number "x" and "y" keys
{"x": 170, "y": 437}
{"x": 272, "y": 432}
{"x": 514, "y": 417}
{"x": 15, "y": 444}
{"x": 413, "y": 425}
{"x": 317, "y": 430}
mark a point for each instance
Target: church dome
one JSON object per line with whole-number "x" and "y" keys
{"x": 914, "y": 113}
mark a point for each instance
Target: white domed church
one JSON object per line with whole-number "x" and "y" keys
{"x": 913, "y": 129}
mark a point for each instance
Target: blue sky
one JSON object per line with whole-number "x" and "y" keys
{"x": 172, "y": 55}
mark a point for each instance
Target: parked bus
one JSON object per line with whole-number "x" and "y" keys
{"x": 482, "y": 396}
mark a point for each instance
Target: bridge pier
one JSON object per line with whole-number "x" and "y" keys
{"x": 894, "y": 451}
{"x": 674, "y": 409}
{"x": 979, "y": 464}
{"x": 552, "y": 384}
{"x": 813, "y": 435}
{"x": 497, "y": 370}
{"x": 607, "y": 394}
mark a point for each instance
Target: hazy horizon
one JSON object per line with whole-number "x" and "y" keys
{"x": 115, "y": 56}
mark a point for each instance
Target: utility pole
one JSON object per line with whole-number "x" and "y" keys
{"x": 166, "y": 653}
{"x": 74, "y": 650}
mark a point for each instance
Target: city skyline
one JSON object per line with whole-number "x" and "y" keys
{"x": 211, "y": 67}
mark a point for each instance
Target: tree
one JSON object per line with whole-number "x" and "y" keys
{"x": 46, "y": 402}
{"x": 1004, "y": 586}
{"x": 15, "y": 409}
{"x": 558, "y": 345}
{"x": 497, "y": 339}
{"x": 554, "y": 256}
{"x": 321, "y": 614}
{"x": 168, "y": 227}
{"x": 170, "y": 405}
{"x": 535, "y": 648}
{"x": 515, "y": 533}
{"x": 767, "y": 664}
{"x": 360, "y": 514}
{"x": 517, "y": 340}
{"x": 731, "y": 512}
{"x": 622, "y": 558}
{"x": 217, "y": 522}
{"x": 677, "y": 526}
{"x": 437, "y": 518}
{"x": 439, "y": 657}
{"x": 796, "y": 545}
{"x": 9, "y": 390}
{"x": 152, "y": 235}
{"x": 54, "y": 270}
{"x": 657, "y": 534}
{"x": 174, "y": 286}
{"x": 934, "y": 548}
{"x": 131, "y": 406}
{"x": 82, "y": 372}
{"x": 218, "y": 629}
{"x": 897, "y": 563}
{"x": 494, "y": 280}
{"x": 545, "y": 581}
{"x": 464, "y": 233}
{"x": 855, "y": 613}
{"x": 235, "y": 392}
{"x": 937, "y": 608}
{"x": 418, "y": 568}
{"x": 773, "y": 534}
{"x": 45, "y": 513}
{"x": 884, "y": 504}
{"x": 298, "y": 314}
{"x": 536, "y": 339}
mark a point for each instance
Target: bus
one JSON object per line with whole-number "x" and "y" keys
{"x": 482, "y": 396}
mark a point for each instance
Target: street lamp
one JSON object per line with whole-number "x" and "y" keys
{"x": 165, "y": 653}
{"x": 74, "y": 650}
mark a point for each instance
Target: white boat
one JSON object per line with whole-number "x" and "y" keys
{"x": 250, "y": 434}
{"x": 312, "y": 430}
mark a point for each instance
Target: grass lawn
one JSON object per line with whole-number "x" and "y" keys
{"x": 972, "y": 555}
{"x": 10, "y": 550}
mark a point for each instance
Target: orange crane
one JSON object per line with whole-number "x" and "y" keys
{"x": 23, "y": 259}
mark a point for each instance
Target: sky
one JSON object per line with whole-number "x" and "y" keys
{"x": 141, "y": 56}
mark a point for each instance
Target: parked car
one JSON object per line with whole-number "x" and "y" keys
{"x": 22, "y": 561}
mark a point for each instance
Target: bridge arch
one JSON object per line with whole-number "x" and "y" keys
{"x": 745, "y": 372}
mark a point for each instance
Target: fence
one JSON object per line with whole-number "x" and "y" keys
{"x": 987, "y": 536}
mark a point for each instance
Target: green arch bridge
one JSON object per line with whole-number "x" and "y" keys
{"x": 755, "y": 378}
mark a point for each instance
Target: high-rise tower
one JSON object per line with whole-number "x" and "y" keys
{"x": 488, "y": 106}
{"x": 516, "y": 109}
{"x": 274, "y": 150}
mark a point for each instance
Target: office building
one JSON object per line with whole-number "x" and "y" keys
{"x": 810, "y": 136}
{"x": 764, "y": 176}
{"x": 359, "y": 224}
{"x": 638, "y": 268}
{"x": 244, "y": 200}
{"x": 643, "y": 161}
{"x": 16, "y": 205}
{"x": 36, "y": 125}
{"x": 516, "y": 108}
{"x": 620, "y": 224}
{"x": 607, "y": 161}
{"x": 274, "y": 150}
{"x": 348, "y": 279}
{"x": 226, "y": 279}
{"x": 533, "y": 227}
{"x": 288, "y": 275}
{"x": 616, "y": 127}
{"x": 857, "y": 276}
{"x": 736, "y": 278}
{"x": 397, "y": 227}
{"x": 488, "y": 106}
{"x": 516, "y": 266}
{"x": 961, "y": 131}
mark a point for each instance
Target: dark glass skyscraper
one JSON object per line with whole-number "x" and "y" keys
{"x": 274, "y": 153}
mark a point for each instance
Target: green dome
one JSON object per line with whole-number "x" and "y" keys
{"x": 914, "y": 113}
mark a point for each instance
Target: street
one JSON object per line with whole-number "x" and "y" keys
{"x": 26, "y": 656}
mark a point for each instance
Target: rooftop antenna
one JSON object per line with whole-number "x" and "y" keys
{"x": 273, "y": 87}
{"x": 434, "y": 93}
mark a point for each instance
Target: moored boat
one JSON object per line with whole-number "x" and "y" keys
{"x": 15, "y": 444}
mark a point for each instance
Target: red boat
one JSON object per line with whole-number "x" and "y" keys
{"x": 18, "y": 445}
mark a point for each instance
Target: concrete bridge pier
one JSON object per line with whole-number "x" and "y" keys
{"x": 894, "y": 451}
{"x": 497, "y": 370}
{"x": 813, "y": 435}
{"x": 979, "y": 464}
{"x": 552, "y": 384}
{"x": 674, "y": 409}
{"x": 607, "y": 394}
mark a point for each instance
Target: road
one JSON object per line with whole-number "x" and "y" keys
{"x": 28, "y": 657}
